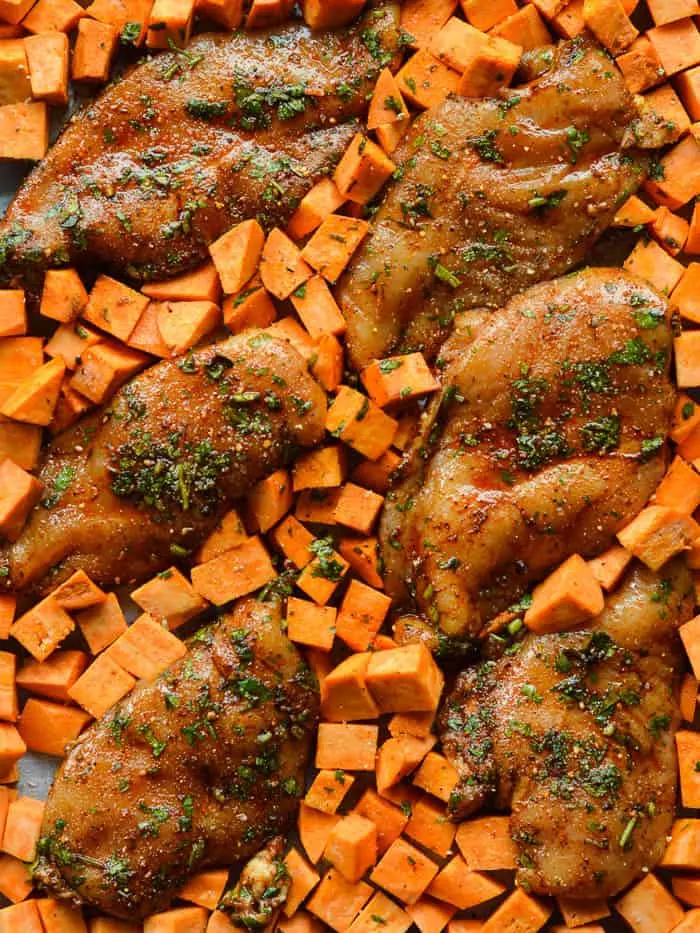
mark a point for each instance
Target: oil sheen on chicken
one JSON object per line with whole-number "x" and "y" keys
{"x": 574, "y": 732}
{"x": 197, "y": 769}
{"x": 492, "y": 197}
{"x": 193, "y": 141}
{"x": 549, "y": 437}
{"x": 133, "y": 487}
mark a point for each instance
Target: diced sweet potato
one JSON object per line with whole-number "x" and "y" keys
{"x": 344, "y": 693}
{"x": 169, "y": 597}
{"x": 569, "y": 596}
{"x": 24, "y": 131}
{"x": 102, "y": 685}
{"x": 47, "y": 55}
{"x": 146, "y": 649}
{"x": 234, "y": 573}
{"x": 657, "y": 534}
{"x": 48, "y": 727}
{"x": 405, "y": 680}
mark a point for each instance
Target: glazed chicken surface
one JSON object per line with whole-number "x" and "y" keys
{"x": 548, "y": 437}
{"x": 575, "y": 733}
{"x": 144, "y": 480}
{"x": 197, "y": 769}
{"x": 193, "y": 141}
{"x": 492, "y": 196}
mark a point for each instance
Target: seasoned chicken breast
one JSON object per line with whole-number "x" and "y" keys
{"x": 198, "y": 769}
{"x": 549, "y": 436}
{"x": 492, "y": 196}
{"x": 574, "y": 732}
{"x": 191, "y": 142}
{"x": 143, "y": 481}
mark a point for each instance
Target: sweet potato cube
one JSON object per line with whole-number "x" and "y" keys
{"x": 234, "y": 573}
{"x": 397, "y": 757}
{"x": 376, "y": 474}
{"x": 421, "y": 19}
{"x": 677, "y": 45}
{"x": 170, "y": 21}
{"x": 237, "y": 253}
{"x": 303, "y": 880}
{"x": 331, "y": 247}
{"x": 610, "y": 24}
{"x": 690, "y": 636}
{"x": 688, "y": 86}
{"x": 102, "y": 685}
{"x": 12, "y": 11}
{"x": 205, "y": 888}
{"x": 53, "y": 678}
{"x": 22, "y": 827}
{"x": 228, "y": 13}
{"x": 381, "y": 915}
{"x": 404, "y": 871}
{"x": 169, "y": 597}
{"x": 328, "y": 790}
{"x": 282, "y": 269}
{"x": 519, "y": 911}
{"x": 12, "y": 747}
{"x": 114, "y": 307}
{"x": 314, "y": 828}
{"x": 426, "y": 82}
{"x": 48, "y": 55}
{"x": 317, "y": 308}
{"x": 35, "y": 398}
{"x": 8, "y": 690}
{"x": 524, "y": 27}
{"x": 71, "y": 341}
{"x": 640, "y": 65}
{"x": 389, "y": 819}
{"x": 320, "y": 469}
{"x": 363, "y": 556}
{"x": 657, "y": 534}
{"x": 360, "y": 423}
{"x": 363, "y": 170}
{"x": 344, "y": 693}
{"x": 24, "y": 131}
{"x": 21, "y": 442}
{"x": 13, "y": 315}
{"x": 146, "y": 336}
{"x": 309, "y": 624}
{"x": 418, "y": 725}
{"x": 357, "y": 508}
{"x": 633, "y": 213}
{"x": 458, "y": 885}
{"x": 669, "y": 229}
{"x": 291, "y": 330}
{"x": 15, "y": 86}
{"x": 405, "y": 680}
{"x": 64, "y": 296}
{"x": 202, "y": 284}
{"x": 78, "y": 592}
{"x": 398, "y": 378}
{"x": 437, "y": 776}
{"x": 336, "y": 901}
{"x": 104, "y": 367}
{"x": 269, "y": 501}
{"x": 326, "y": 364}
{"x": 486, "y": 843}
{"x": 294, "y": 541}
{"x": 688, "y": 697}
{"x": 687, "y": 353}
{"x": 686, "y": 295}
{"x": 48, "y": 728}
{"x": 651, "y": 262}
{"x": 321, "y": 577}
{"x": 352, "y": 846}
{"x": 678, "y": 180}
{"x": 569, "y": 596}
{"x": 387, "y": 106}
{"x": 182, "y": 324}
{"x": 430, "y": 827}
{"x": 323, "y": 199}
{"x": 650, "y": 906}
{"x": 19, "y": 493}
{"x": 361, "y": 615}
{"x": 95, "y": 48}
{"x": 146, "y": 649}
{"x": 329, "y": 14}
{"x": 683, "y": 850}
{"x": 680, "y": 488}
{"x": 8, "y": 607}
{"x": 609, "y": 566}
{"x": 349, "y": 747}
{"x": 491, "y": 66}
{"x": 264, "y": 14}
{"x": 102, "y": 624}
{"x": 251, "y": 307}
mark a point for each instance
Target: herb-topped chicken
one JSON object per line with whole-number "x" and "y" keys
{"x": 192, "y": 141}
{"x": 146, "y": 479}
{"x": 574, "y": 733}
{"x": 198, "y": 769}
{"x": 492, "y": 196}
{"x": 549, "y": 437}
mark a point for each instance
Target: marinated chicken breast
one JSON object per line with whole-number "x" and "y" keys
{"x": 198, "y": 769}
{"x": 550, "y": 435}
{"x": 575, "y": 733}
{"x": 492, "y": 196}
{"x": 144, "y": 481}
{"x": 191, "y": 142}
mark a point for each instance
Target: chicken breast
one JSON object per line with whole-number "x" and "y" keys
{"x": 549, "y": 436}
{"x": 196, "y": 770}
{"x": 492, "y": 196}
{"x": 574, "y": 732}
{"x": 134, "y": 486}
{"x": 191, "y": 142}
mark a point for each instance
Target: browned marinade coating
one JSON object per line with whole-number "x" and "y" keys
{"x": 574, "y": 733}
{"x": 196, "y": 770}
{"x": 492, "y": 196}
{"x": 192, "y": 141}
{"x": 550, "y": 435}
{"x": 141, "y": 482}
